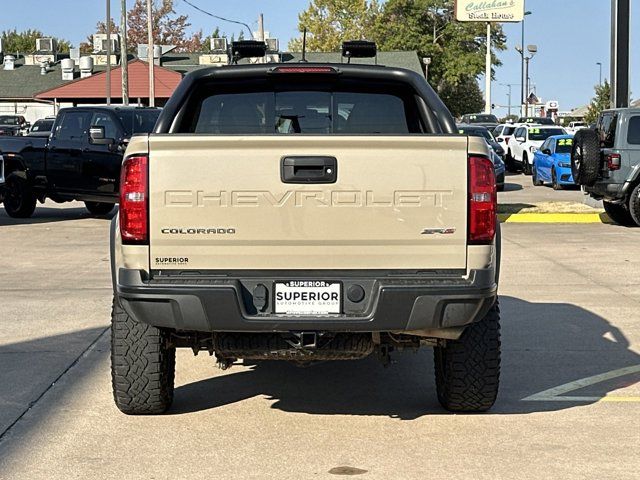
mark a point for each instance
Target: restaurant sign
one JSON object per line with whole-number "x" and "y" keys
{"x": 489, "y": 10}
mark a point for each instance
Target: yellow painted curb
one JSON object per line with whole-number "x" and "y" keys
{"x": 553, "y": 218}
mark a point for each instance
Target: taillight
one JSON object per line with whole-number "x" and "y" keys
{"x": 483, "y": 201}
{"x": 613, "y": 161}
{"x": 134, "y": 200}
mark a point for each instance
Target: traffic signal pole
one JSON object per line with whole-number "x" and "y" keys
{"x": 620, "y": 32}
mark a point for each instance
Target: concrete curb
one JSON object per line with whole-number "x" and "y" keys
{"x": 554, "y": 218}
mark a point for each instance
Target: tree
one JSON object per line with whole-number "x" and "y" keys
{"x": 600, "y": 102}
{"x": 457, "y": 49}
{"x": 463, "y": 97}
{"x": 25, "y": 41}
{"x": 330, "y": 22}
{"x": 168, "y": 28}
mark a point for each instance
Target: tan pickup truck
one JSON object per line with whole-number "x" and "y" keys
{"x": 305, "y": 212}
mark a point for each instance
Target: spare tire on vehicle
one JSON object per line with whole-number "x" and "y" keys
{"x": 585, "y": 157}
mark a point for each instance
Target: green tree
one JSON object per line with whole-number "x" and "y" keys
{"x": 330, "y": 22}
{"x": 600, "y": 102}
{"x": 463, "y": 97}
{"x": 25, "y": 41}
{"x": 457, "y": 49}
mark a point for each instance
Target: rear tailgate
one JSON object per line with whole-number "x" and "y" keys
{"x": 218, "y": 203}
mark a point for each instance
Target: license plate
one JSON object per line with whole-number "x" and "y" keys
{"x": 308, "y": 297}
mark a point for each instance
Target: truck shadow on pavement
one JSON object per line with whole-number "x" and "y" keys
{"x": 545, "y": 345}
{"x": 52, "y": 215}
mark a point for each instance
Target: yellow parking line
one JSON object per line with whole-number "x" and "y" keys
{"x": 553, "y": 218}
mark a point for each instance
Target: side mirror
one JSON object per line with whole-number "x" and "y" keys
{"x": 97, "y": 136}
{"x": 520, "y": 139}
{"x": 546, "y": 151}
{"x": 500, "y": 140}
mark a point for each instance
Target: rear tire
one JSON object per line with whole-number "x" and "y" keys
{"x": 468, "y": 369}
{"x": 19, "y": 200}
{"x": 99, "y": 208}
{"x": 526, "y": 167}
{"x": 634, "y": 205}
{"x": 554, "y": 180}
{"x": 142, "y": 365}
{"x": 619, "y": 213}
{"x": 585, "y": 157}
{"x": 534, "y": 178}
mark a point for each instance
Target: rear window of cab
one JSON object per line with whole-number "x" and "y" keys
{"x": 286, "y": 110}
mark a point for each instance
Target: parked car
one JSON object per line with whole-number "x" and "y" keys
{"x": 13, "y": 125}
{"x": 606, "y": 163}
{"x": 573, "y": 127}
{"x": 80, "y": 160}
{"x": 334, "y": 240}
{"x": 524, "y": 143}
{"x": 482, "y": 119}
{"x": 42, "y": 127}
{"x": 552, "y": 162}
{"x": 535, "y": 121}
{"x": 497, "y": 152}
{"x": 502, "y": 133}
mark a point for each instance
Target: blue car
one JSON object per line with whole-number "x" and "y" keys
{"x": 552, "y": 162}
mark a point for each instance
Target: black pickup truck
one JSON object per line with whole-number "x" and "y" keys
{"x": 80, "y": 160}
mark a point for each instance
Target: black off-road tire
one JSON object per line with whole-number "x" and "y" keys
{"x": 585, "y": 157}
{"x": 19, "y": 199}
{"x": 619, "y": 213}
{"x": 534, "y": 178}
{"x": 468, "y": 369}
{"x": 634, "y": 205}
{"x": 99, "y": 208}
{"x": 142, "y": 365}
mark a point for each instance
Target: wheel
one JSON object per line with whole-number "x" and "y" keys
{"x": 526, "y": 166}
{"x": 554, "y": 180}
{"x": 619, "y": 213}
{"x": 509, "y": 163}
{"x": 142, "y": 365}
{"x": 468, "y": 369}
{"x": 534, "y": 178}
{"x": 634, "y": 205}
{"x": 19, "y": 200}
{"x": 585, "y": 157}
{"x": 99, "y": 208}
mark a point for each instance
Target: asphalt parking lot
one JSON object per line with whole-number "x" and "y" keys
{"x": 569, "y": 404}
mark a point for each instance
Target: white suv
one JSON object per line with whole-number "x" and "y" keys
{"x": 525, "y": 142}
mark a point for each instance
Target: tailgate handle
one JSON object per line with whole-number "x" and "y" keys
{"x": 311, "y": 169}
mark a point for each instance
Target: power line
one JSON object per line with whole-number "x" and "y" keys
{"x": 220, "y": 18}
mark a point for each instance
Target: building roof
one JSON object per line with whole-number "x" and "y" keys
{"x": 165, "y": 83}
{"x": 25, "y": 81}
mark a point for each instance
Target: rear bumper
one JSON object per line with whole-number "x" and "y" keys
{"x": 392, "y": 303}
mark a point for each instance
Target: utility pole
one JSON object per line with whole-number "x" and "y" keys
{"x": 509, "y": 85}
{"x": 152, "y": 92}
{"x": 487, "y": 88}
{"x": 108, "y": 76}
{"x": 124, "y": 62}
{"x": 620, "y": 12}
{"x": 261, "y": 27}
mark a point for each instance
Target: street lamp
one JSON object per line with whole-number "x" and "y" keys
{"x": 509, "y": 85}
{"x": 600, "y": 65}
{"x": 427, "y": 62}
{"x": 522, "y": 77}
{"x": 532, "y": 49}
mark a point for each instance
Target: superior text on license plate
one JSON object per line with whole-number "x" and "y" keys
{"x": 308, "y": 297}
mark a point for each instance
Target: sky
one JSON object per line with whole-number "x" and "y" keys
{"x": 571, "y": 35}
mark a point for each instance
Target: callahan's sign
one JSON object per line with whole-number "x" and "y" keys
{"x": 489, "y": 10}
